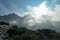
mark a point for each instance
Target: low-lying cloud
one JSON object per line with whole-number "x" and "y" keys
{"x": 43, "y": 16}
{"x": 38, "y": 16}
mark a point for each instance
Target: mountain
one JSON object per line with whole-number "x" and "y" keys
{"x": 29, "y": 22}
{"x": 11, "y": 18}
{"x": 14, "y": 18}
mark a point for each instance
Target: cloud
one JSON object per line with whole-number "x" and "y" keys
{"x": 56, "y": 15}
{"x": 43, "y": 17}
{"x": 51, "y": 4}
{"x": 40, "y": 10}
{"x": 38, "y": 15}
{"x": 37, "y": 12}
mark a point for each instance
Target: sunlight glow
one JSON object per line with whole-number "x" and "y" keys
{"x": 37, "y": 11}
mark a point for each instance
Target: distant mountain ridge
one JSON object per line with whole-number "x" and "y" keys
{"x": 27, "y": 20}
{"x": 9, "y": 17}
{"x": 15, "y": 18}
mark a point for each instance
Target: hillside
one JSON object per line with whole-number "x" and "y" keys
{"x": 21, "y": 33}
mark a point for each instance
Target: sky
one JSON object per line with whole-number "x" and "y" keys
{"x": 36, "y": 8}
{"x": 43, "y": 11}
{"x": 16, "y": 6}
{"x": 21, "y": 6}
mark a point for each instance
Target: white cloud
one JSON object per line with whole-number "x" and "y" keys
{"x": 12, "y": 22}
{"x": 37, "y": 12}
{"x": 56, "y": 15}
